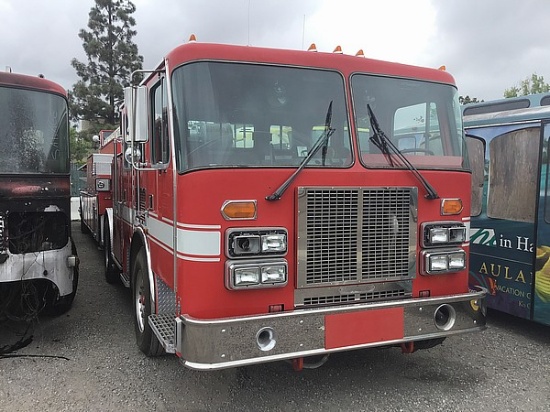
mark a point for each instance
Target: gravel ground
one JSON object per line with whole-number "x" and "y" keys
{"x": 86, "y": 360}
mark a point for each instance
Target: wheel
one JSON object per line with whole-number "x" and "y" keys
{"x": 65, "y": 302}
{"x": 141, "y": 295}
{"x": 112, "y": 274}
{"x": 83, "y": 228}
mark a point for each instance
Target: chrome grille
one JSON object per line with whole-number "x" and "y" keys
{"x": 353, "y": 235}
{"x": 386, "y": 233}
{"x": 355, "y": 297}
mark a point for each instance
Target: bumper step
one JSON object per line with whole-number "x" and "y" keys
{"x": 163, "y": 326}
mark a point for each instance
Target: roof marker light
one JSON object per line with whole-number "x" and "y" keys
{"x": 360, "y": 53}
{"x": 312, "y": 47}
{"x": 338, "y": 50}
{"x": 192, "y": 38}
{"x": 442, "y": 68}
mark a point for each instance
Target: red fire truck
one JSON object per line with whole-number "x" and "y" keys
{"x": 96, "y": 200}
{"x": 276, "y": 204}
{"x": 38, "y": 258}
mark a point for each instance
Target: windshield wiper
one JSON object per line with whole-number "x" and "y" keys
{"x": 388, "y": 148}
{"x": 322, "y": 141}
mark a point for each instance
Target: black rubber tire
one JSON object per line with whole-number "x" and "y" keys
{"x": 112, "y": 274}
{"x": 83, "y": 228}
{"x": 141, "y": 298}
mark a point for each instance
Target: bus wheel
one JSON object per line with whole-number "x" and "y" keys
{"x": 141, "y": 294}
{"x": 111, "y": 271}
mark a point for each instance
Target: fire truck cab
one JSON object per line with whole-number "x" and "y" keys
{"x": 276, "y": 204}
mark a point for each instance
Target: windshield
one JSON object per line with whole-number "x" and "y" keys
{"x": 249, "y": 115}
{"x": 422, "y": 119}
{"x": 33, "y": 132}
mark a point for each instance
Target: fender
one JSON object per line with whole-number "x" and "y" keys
{"x": 109, "y": 216}
{"x": 139, "y": 236}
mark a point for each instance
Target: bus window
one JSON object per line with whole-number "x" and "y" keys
{"x": 545, "y": 173}
{"x": 476, "y": 155}
{"x": 513, "y": 175}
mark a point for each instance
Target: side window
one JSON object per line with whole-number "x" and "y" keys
{"x": 476, "y": 156}
{"x": 545, "y": 177}
{"x": 416, "y": 129}
{"x": 160, "y": 136}
{"x": 513, "y": 169}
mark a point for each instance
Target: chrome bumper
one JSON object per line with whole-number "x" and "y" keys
{"x": 231, "y": 342}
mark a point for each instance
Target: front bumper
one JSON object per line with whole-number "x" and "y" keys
{"x": 56, "y": 266}
{"x": 231, "y": 342}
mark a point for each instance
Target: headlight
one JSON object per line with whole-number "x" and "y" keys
{"x": 256, "y": 274}
{"x": 443, "y": 233}
{"x": 252, "y": 242}
{"x": 247, "y": 276}
{"x": 443, "y": 261}
{"x": 274, "y": 243}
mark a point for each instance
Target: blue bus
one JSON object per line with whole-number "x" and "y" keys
{"x": 510, "y": 205}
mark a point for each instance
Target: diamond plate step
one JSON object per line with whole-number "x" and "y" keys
{"x": 163, "y": 326}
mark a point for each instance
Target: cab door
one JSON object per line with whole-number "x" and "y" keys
{"x": 161, "y": 193}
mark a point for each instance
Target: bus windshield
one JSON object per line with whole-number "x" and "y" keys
{"x": 422, "y": 119}
{"x": 250, "y": 115}
{"x": 33, "y": 132}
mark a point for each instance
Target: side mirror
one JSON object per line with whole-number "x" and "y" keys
{"x": 135, "y": 101}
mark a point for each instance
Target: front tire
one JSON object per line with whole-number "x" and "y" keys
{"x": 141, "y": 295}
{"x": 112, "y": 274}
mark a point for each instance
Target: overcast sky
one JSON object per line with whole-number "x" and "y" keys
{"x": 487, "y": 45}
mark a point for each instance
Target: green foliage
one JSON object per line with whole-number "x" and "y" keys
{"x": 531, "y": 85}
{"x": 468, "y": 99}
{"x": 112, "y": 57}
{"x": 80, "y": 147}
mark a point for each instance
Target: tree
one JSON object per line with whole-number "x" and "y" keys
{"x": 80, "y": 147}
{"x": 112, "y": 57}
{"x": 467, "y": 99}
{"x": 531, "y": 85}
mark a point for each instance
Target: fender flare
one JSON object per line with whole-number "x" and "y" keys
{"x": 139, "y": 238}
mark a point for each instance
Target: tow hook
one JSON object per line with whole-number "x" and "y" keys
{"x": 298, "y": 364}
{"x": 407, "y": 347}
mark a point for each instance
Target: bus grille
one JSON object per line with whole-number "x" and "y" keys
{"x": 351, "y": 235}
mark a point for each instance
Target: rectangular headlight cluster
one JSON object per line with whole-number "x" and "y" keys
{"x": 248, "y": 242}
{"x": 443, "y": 261}
{"x": 256, "y": 274}
{"x": 443, "y": 234}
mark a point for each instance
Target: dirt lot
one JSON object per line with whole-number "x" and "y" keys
{"x": 86, "y": 360}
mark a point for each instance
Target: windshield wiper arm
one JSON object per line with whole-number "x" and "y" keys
{"x": 321, "y": 142}
{"x": 388, "y": 148}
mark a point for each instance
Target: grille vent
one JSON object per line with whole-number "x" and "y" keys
{"x": 356, "y": 235}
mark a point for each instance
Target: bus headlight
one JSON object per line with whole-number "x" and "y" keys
{"x": 256, "y": 274}
{"x": 443, "y": 261}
